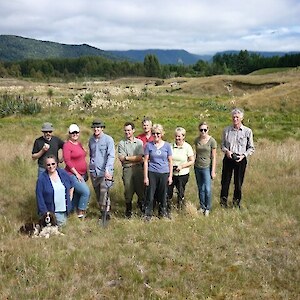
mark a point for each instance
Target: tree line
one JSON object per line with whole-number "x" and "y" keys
{"x": 97, "y": 66}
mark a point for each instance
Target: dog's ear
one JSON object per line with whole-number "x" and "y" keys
{"x": 53, "y": 219}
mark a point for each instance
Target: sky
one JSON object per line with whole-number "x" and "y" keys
{"x": 197, "y": 26}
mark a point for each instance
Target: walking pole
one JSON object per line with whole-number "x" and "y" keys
{"x": 109, "y": 183}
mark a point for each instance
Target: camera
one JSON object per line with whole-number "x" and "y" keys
{"x": 175, "y": 168}
{"x": 235, "y": 156}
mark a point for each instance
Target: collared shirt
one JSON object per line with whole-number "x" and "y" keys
{"x": 102, "y": 155}
{"x": 239, "y": 141}
{"x": 180, "y": 156}
{"x": 144, "y": 138}
{"x": 130, "y": 148}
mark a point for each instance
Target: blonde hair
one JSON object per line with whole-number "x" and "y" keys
{"x": 158, "y": 127}
{"x": 203, "y": 123}
{"x": 180, "y": 130}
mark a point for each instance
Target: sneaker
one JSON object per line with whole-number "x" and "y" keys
{"x": 206, "y": 213}
{"x": 223, "y": 202}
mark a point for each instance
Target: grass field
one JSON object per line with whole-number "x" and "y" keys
{"x": 232, "y": 254}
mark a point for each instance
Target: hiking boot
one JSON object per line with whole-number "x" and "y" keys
{"x": 206, "y": 213}
{"x": 236, "y": 203}
{"x": 223, "y": 202}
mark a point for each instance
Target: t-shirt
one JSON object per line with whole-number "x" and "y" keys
{"x": 180, "y": 156}
{"x": 203, "y": 152}
{"x": 74, "y": 157}
{"x": 59, "y": 195}
{"x": 158, "y": 157}
{"x": 55, "y": 144}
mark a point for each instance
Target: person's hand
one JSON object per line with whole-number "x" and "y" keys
{"x": 213, "y": 175}
{"x": 108, "y": 176}
{"x": 170, "y": 180}
{"x": 46, "y": 147}
{"x": 241, "y": 158}
{"x": 228, "y": 154}
{"x": 79, "y": 178}
{"x": 146, "y": 181}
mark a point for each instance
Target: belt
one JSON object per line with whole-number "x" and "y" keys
{"x": 131, "y": 165}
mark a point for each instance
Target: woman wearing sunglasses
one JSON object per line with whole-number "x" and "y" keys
{"x": 205, "y": 166}
{"x": 158, "y": 171}
{"x": 54, "y": 191}
{"x": 74, "y": 157}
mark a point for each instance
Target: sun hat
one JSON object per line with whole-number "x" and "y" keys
{"x": 73, "y": 128}
{"x": 47, "y": 127}
{"x": 97, "y": 123}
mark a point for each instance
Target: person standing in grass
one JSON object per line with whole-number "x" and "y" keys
{"x": 205, "y": 166}
{"x": 74, "y": 156}
{"x": 131, "y": 151}
{"x": 54, "y": 190}
{"x": 183, "y": 159}
{"x": 237, "y": 144}
{"x": 146, "y": 136}
{"x": 46, "y": 145}
{"x": 158, "y": 171}
{"x": 102, "y": 157}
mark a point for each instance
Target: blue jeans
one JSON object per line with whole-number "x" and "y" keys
{"x": 203, "y": 179}
{"x": 81, "y": 195}
{"x": 61, "y": 218}
{"x": 40, "y": 170}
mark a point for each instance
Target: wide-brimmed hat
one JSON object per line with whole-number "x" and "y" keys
{"x": 47, "y": 127}
{"x": 97, "y": 123}
{"x": 73, "y": 128}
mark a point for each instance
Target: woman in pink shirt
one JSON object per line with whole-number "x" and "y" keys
{"x": 74, "y": 156}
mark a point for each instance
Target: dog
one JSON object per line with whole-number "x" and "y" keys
{"x": 46, "y": 227}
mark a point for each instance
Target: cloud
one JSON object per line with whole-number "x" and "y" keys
{"x": 205, "y": 26}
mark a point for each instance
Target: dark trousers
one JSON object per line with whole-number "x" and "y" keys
{"x": 179, "y": 182}
{"x": 238, "y": 168}
{"x": 158, "y": 187}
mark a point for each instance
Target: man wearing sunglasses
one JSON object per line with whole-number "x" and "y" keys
{"x": 237, "y": 144}
{"x": 46, "y": 144}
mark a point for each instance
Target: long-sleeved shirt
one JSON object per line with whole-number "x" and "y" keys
{"x": 239, "y": 141}
{"x": 74, "y": 157}
{"x": 102, "y": 155}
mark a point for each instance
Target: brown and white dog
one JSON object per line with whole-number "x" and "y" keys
{"x": 46, "y": 227}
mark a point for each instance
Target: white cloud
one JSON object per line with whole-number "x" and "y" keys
{"x": 203, "y": 26}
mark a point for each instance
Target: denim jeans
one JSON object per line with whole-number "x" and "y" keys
{"x": 61, "y": 218}
{"x": 40, "y": 170}
{"x": 203, "y": 179}
{"x": 81, "y": 195}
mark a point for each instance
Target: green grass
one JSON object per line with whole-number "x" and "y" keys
{"x": 247, "y": 254}
{"x": 270, "y": 71}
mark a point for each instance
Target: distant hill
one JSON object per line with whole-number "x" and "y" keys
{"x": 172, "y": 57}
{"x": 16, "y": 48}
{"x": 262, "y": 53}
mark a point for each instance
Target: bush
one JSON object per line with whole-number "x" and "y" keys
{"x": 17, "y": 104}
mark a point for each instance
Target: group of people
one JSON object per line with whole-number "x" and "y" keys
{"x": 151, "y": 167}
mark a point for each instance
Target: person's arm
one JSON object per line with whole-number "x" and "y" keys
{"x": 170, "y": 178}
{"x": 224, "y": 141}
{"x": 42, "y": 208}
{"x": 109, "y": 169}
{"x": 250, "y": 144}
{"x": 213, "y": 162}
{"x": 37, "y": 154}
{"x": 146, "y": 161}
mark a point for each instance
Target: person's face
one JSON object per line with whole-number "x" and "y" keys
{"x": 128, "y": 131}
{"x": 179, "y": 138}
{"x": 98, "y": 131}
{"x": 237, "y": 119}
{"x": 47, "y": 135}
{"x": 157, "y": 135}
{"x": 51, "y": 165}
{"x": 147, "y": 126}
{"x": 203, "y": 130}
{"x": 74, "y": 136}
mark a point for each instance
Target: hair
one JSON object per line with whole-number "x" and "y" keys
{"x": 147, "y": 119}
{"x": 129, "y": 124}
{"x": 202, "y": 123}
{"x": 238, "y": 111}
{"x": 49, "y": 156}
{"x": 180, "y": 130}
{"x": 159, "y": 128}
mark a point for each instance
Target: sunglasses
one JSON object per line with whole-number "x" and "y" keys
{"x": 156, "y": 133}
{"x": 47, "y": 131}
{"x": 51, "y": 164}
{"x": 74, "y": 132}
{"x": 203, "y": 129}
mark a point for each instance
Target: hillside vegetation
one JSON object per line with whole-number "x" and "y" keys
{"x": 232, "y": 254}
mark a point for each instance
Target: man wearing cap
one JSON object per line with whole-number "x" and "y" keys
{"x": 131, "y": 151}
{"x": 102, "y": 156}
{"x": 46, "y": 144}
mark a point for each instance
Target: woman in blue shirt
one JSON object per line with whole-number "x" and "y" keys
{"x": 158, "y": 171}
{"x": 54, "y": 191}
